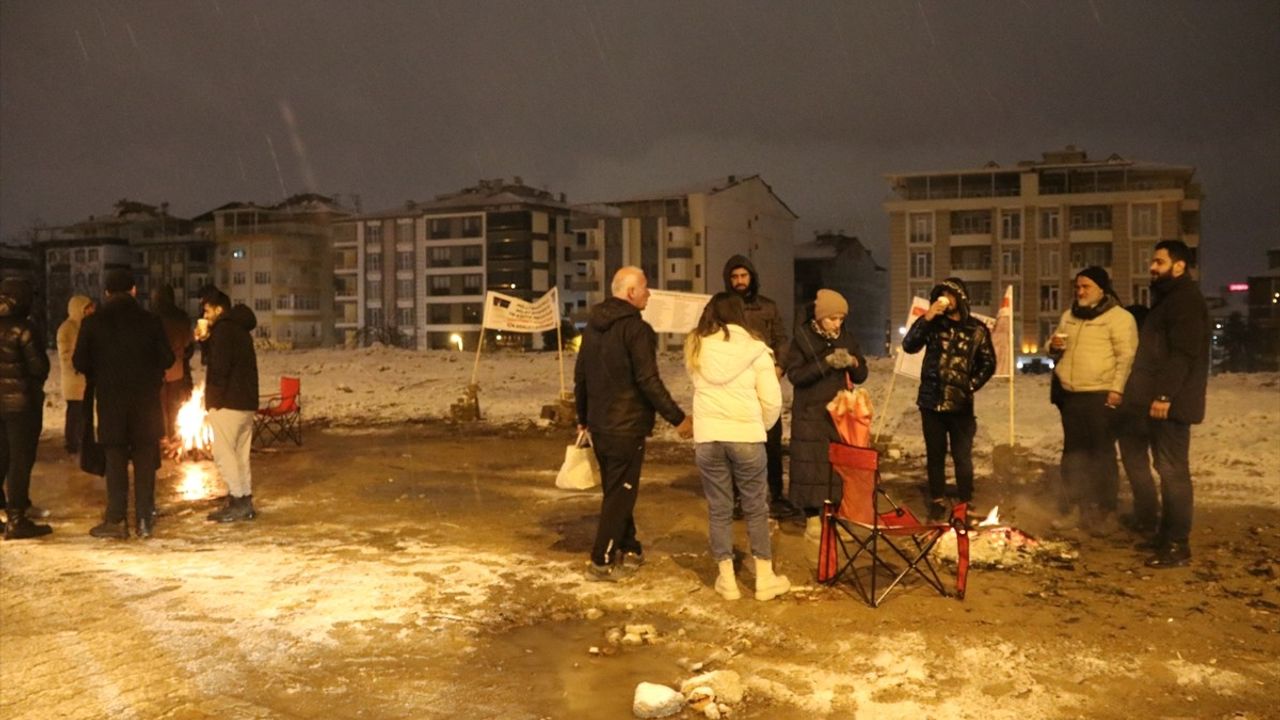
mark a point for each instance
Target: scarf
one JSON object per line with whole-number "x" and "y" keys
{"x": 817, "y": 327}
{"x": 1088, "y": 313}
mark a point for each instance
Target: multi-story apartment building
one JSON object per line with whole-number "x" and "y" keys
{"x": 842, "y": 263}
{"x": 156, "y": 246}
{"x": 418, "y": 275}
{"x": 682, "y": 239}
{"x": 1034, "y": 226}
{"x": 278, "y": 260}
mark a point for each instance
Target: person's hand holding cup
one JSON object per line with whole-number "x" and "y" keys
{"x": 938, "y": 307}
{"x": 202, "y": 329}
{"x": 1058, "y": 342}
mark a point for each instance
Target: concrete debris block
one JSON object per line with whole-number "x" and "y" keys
{"x": 613, "y": 636}
{"x": 632, "y": 639}
{"x": 726, "y": 685}
{"x": 656, "y": 701}
{"x": 593, "y": 613}
{"x": 639, "y": 635}
{"x": 593, "y": 650}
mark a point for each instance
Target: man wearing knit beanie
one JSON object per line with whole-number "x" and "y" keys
{"x": 959, "y": 359}
{"x": 766, "y": 322}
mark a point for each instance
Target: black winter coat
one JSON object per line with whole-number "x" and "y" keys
{"x": 958, "y": 360}
{"x": 762, "y": 314}
{"x": 123, "y": 350}
{"x": 231, "y": 379}
{"x": 816, "y": 384}
{"x": 24, "y": 366}
{"x": 1173, "y": 353}
{"x": 615, "y": 382}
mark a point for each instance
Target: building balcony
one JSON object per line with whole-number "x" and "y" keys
{"x": 973, "y": 274}
{"x": 1091, "y": 235}
{"x": 584, "y": 284}
{"x": 680, "y": 285}
{"x": 678, "y": 253}
{"x": 971, "y": 239}
{"x": 584, "y": 254}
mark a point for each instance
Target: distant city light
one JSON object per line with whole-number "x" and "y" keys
{"x": 902, "y": 330}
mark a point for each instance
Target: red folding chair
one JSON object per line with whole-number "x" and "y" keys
{"x": 869, "y": 522}
{"x": 279, "y": 416}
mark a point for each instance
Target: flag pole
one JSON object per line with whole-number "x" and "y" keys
{"x": 1013, "y": 365}
{"x": 475, "y": 368}
{"x": 884, "y": 408}
{"x": 559, "y": 341}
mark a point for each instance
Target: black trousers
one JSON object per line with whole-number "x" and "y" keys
{"x": 773, "y": 461}
{"x": 19, "y": 437}
{"x": 146, "y": 459}
{"x": 620, "y": 458}
{"x": 1134, "y": 439}
{"x": 1090, "y": 477}
{"x": 74, "y": 422}
{"x": 1171, "y": 451}
{"x": 956, "y": 430}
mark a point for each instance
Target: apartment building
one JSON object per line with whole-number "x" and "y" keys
{"x": 155, "y": 246}
{"x": 417, "y": 275}
{"x": 1033, "y": 226}
{"x": 278, "y": 260}
{"x": 681, "y": 238}
{"x": 842, "y": 263}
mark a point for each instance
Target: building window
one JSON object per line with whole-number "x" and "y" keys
{"x": 471, "y": 283}
{"x": 237, "y": 278}
{"x": 373, "y": 234}
{"x": 239, "y": 253}
{"x": 971, "y": 222}
{"x": 980, "y": 293}
{"x": 93, "y": 254}
{"x": 921, "y": 291}
{"x": 262, "y": 303}
{"x": 471, "y": 226}
{"x": 262, "y": 278}
{"x": 1011, "y": 262}
{"x": 922, "y": 264}
{"x": 438, "y": 314}
{"x": 1145, "y": 220}
{"x": 441, "y": 256}
{"x": 971, "y": 258}
{"x": 1091, "y": 217}
{"x": 404, "y": 232}
{"x": 1050, "y": 224}
{"x": 921, "y": 225}
{"x": 1142, "y": 258}
{"x": 373, "y": 289}
{"x": 439, "y": 229}
{"x": 472, "y": 254}
{"x": 373, "y": 317}
{"x": 440, "y": 284}
{"x": 404, "y": 288}
{"x": 1048, "y": 298}
{"x": 1010, "y": 224}
{"x": 404, "y": 317}
{"x": 1083, "y": 256}
{"x": 404, "y": 260}
{"x": 80, "y": 256}
{"x": 1142, "y": 294}
{"x": 471, "y": 312}
{"x": 373, "y": 262}
{"x": 1050, "y": 262}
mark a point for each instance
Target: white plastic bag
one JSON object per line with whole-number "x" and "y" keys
{"x": 580, "y": 470}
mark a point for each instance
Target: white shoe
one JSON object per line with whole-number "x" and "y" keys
{"x": 769, "y": 585}
{"x": 813, "y": 529}
{"x": 726, "y": 582}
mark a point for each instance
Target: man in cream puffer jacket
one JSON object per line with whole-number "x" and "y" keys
{"x": 736, "y": 398}
{"x": 1094, "y": 345}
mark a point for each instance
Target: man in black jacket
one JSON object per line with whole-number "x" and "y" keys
{"x": 763, "y": 319}
{"x": 617, "y": 389}
{"x": 958, "y": 360}
{"x": 177, "y": 377}
{"x": 123, "y": 352}
{"x": 1168, "y": 384}
{"x": 231, "y": 397}
{"x": 24, "y": 366}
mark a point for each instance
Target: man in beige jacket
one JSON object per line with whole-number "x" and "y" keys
{"x": 1094, "y": 345}
{"x": 78, "y": 308}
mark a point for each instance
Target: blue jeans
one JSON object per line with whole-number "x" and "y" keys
{"x": 724, "y": 464}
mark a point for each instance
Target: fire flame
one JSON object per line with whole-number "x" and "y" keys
{"x": 194, "y": 432}
{"x": 992, "y": 518}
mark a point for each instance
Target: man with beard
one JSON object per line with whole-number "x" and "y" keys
{"x": 1094, "y": 346}
{"x": 765, "y": 322}
{"x": 1169, "y": 380}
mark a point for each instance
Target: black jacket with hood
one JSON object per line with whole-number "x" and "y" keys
{"x": 959, "y": 357}
{"x": 24, "y": 366}
{"x": 231, "y": 379}
{"x": 763, "y": 316}
{"x": 1173, "y": 352}
{"x": 615, "y": 381}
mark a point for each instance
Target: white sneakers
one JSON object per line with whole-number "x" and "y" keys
{"x": 768, "y": 585}
{"x": 726, "y": 583}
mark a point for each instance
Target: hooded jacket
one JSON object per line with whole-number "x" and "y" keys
{"x": 24, "y": 366}
{"x": 959, "y": 357}
{"x": 68, "y": 331}
{"x": 1099, "y": 350}
{"x": 1173, "y": 352}
{"x": 736, "y": 395}
{"x": 615, "y": 381}
{"x": 762, "y": 315}
{"x": 231, "y": 380}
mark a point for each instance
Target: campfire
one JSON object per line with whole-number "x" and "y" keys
{"x": 995, "y": 544}
{"x": 195, "y": 437}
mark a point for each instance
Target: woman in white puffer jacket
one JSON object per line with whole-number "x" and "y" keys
{"x": 736, "y": 398}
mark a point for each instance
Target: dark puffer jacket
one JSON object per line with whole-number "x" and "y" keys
{"x": 959, "y": 357}
{"x": 231, "y": 380}
{"x": 1173, "y": 353}
{"x": 615, "y": 381}
{"x": 24, "y": 366}
{"x": 763, "y": 317}
{"x": 816, "y": 384}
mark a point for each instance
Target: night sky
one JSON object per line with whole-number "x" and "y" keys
{"x": 200, "y": 102}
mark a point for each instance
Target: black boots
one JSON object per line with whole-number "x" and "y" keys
{"x": 18, "y": 527}
{"x": 237, "y": 508}
{"x": 1172, "y": 555}
{"x": 108, "y": 530}
{"x": 146, "y": 526}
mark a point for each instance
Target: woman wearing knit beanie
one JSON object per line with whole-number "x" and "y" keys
{"x": 823, "y": 359}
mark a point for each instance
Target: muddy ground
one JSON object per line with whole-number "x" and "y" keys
{"x": 420, "y": 572}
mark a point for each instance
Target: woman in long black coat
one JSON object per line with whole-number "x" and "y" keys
{"x": 822, "y": 360}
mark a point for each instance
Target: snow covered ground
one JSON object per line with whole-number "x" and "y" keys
{"x": 1235, "y": 454}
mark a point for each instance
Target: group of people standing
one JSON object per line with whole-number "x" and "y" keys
{"x": 1137, "y": 377}
{"x": 126, "y": 371}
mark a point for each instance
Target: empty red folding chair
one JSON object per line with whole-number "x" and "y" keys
{"x": 279, "y": 416}
{"x": 868, "y": 522}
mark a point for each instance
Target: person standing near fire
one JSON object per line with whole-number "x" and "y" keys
{"x": 177, "y": 378}
{"x": 231, "y": 397}
{"x": 24, "y": 366}
{"x": 123, "y": 352}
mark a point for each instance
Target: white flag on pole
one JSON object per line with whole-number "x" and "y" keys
{"x": 910, "y": 364}
{"x": 1002, "y": 335}
{"x": 503, "y": 312}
